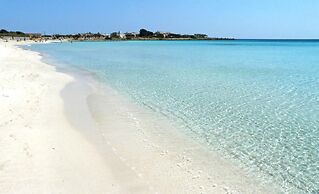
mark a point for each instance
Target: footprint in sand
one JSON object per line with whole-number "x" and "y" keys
{"x": 26, "y": 149}
{"x": 13, "y": 137}
{"x": 3, "y": 165}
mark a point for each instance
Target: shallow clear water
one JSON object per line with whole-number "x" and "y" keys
{"x": 256, "y": 101}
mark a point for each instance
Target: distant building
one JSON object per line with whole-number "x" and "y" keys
{"x": 122, "y": 35}
{"x": 130, "y": 35}
{"x": 162, "y": 34}
{"x": 117, "y": 35}
{"x": 107, "y": 36}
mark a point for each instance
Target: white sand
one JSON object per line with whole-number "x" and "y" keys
{"x": 40, "y": 151}
{"x": 57, "y": 136}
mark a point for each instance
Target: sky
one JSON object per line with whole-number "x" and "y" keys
{"x": 218, "y": 18}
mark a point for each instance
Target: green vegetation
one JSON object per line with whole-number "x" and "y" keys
{"x": 115, "y": 35}
{"x": 143, "y": 34}
{"x": 4, "y": 32}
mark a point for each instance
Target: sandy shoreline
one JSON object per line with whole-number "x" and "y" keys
{"x": 59, "y": 134}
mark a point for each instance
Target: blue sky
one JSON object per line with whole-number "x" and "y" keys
{"x": 218, "y": 18}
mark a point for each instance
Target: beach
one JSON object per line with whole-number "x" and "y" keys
{"x": 40, "y": 151}
{"x": 66, "y": 133}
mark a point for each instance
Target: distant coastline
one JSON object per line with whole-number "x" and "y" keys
{"x": 143, "y": 34}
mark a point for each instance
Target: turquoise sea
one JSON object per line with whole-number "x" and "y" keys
{"x": 255, "y": 101}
